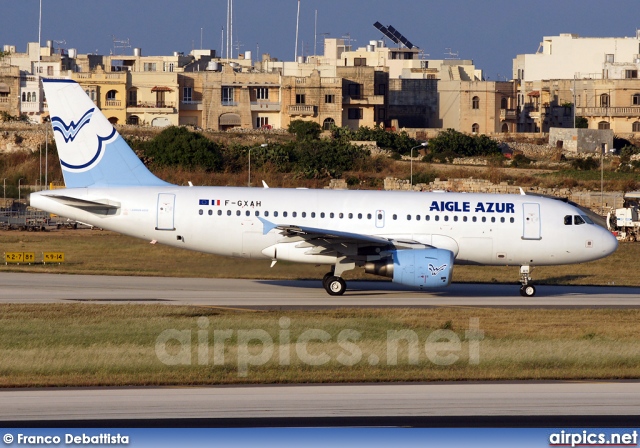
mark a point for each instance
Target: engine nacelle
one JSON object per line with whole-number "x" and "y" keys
{"x": 422, "y": 268}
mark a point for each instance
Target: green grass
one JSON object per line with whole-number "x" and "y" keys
{"x": 117, "y": 345}
{"x": 107, "y": 253}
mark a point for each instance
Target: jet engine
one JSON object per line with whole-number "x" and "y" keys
{"x": 421, "y": 268}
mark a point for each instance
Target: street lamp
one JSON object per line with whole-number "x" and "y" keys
{"x": 19, "y": 180}
{"x": 411, "y": 157}
{"x": 264, "y": 145}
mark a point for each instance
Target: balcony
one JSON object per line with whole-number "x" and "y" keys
{"x": 112, "y": 103}
{"x": 229, "y": 103}
{"x": 33, "y": 106}
{"x": 265, "y": 106}
{"x": 631, "y": 111}
{"x": 4, "y": 99}
{"x": 190, "y": 105}
{"x": 508, "y": 114}
{"x": 302, "y": 109}
{"x": 141, "y": 107}
{"x": 364, "y": 100}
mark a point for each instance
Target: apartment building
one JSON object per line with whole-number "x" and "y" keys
{"x": 9, "y": 88}
{"x": 580, "y": 77}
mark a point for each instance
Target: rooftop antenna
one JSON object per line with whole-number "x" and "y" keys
{"x": 237, "y": 46}
{"x": 120, "y": 43}
{"x": 58, "y": 43}
{"x": 295, "y": 58}
{"x": 315, "y": 35}
{"x": 349, "y": 39}
{"x": 222, "y": 43}
{"x": 451, "y": 54}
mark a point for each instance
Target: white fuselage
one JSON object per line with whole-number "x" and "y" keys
{"x": 488, "y": 229}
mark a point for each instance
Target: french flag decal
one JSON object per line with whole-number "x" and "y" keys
{"x": 215, "y": 201}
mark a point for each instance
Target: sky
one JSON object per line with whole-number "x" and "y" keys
{"x": 490, "y": 32}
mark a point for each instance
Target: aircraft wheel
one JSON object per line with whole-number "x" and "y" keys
{"x": 335, "y": 286}
{"x": 326, "y": 277}
{"x": 527, "y": 291}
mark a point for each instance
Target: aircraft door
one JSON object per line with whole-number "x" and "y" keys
{"x": 379, "y": 219}
{"x": 531, "y": 221}
{"x": 165, "y": 211}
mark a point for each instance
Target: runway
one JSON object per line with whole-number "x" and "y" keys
{"x": 299, "y": 403}
{"x": 265, "y": 294}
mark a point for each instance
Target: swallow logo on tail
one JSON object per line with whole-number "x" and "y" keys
{"x": 70, "y": 131}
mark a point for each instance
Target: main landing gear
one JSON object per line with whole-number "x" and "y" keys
{"x": 333, "y": 282}
{"x": 527, "y": 289}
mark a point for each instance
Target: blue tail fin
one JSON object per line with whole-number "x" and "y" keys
{"x": 92, "y": 153}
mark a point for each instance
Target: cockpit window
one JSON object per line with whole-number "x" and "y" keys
{"x": 587, "y": 219}
{"x": 568, "y": 220}
{"x": 577, "y": 220}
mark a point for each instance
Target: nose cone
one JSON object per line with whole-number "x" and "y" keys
{"x": 607, "y": 243}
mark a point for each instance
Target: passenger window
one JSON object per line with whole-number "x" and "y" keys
{"x": 427, "y": 218}
{"x": 228, "y": 212}
{"x": 484, "y": 219}
{"x": 567, "y": 220}
{"x": 257, "y": 213}
{"x": 464, "y": 218}
{"x": 446, "y": 218}
{"x": 266, "y": 214}
{"x": 294, "y": 214}
{"x": 313, "y": 214}
{"x": 359, "y": 215}
{"x": 304, "y": 214}
{"x": 340, "y": 215}
{"x": 322, "y": 215}
{"x": 331, "y": 215}
{"x": 379, "y": 215}
{"x": 200, "y": 212}
{"x": 502, "y": 219}
{"x": 455, "y": 218}
{"x": 577, "y": 220}
{"x": 368, "y": 215}
{"x": 417, "y": 217}
{"x": 237, "y": 212}
{"x": 474, "y": 219}
{"x": 247, "y": 213}
{"x": 512, "y": 220}
{"x": 275, "y": 214}
{"x": 395, "y": 217}
{"x": 493, "y": 219}
{"x": 284, "y": 214}
{"x": 350, "y": 215}
{"x": 437, "y": 218}
{"x": 219, "y": 212}
{"x": 210, "y": 212}
{"x": 408, "y": 217}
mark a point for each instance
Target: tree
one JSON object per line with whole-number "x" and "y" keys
{"x": 305, "y": 130}
{"x": 582, "y": 123}
{"x": 177, "y": 146}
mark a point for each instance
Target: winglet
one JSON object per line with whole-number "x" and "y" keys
{"x": 268, "y": 226}
{"x": 522, "y": 191}
{"x": 264, "y": 184}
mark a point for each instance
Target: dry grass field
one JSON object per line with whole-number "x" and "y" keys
{"x": 117, "y": 345}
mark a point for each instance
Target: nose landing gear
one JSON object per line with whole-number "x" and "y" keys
{"x": 527, "y": 289}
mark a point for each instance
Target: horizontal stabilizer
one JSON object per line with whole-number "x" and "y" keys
{"x": 96, "y": 207}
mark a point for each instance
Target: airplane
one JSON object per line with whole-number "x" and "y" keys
{"x": 413, "y": 238}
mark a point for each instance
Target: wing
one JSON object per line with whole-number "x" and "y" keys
{"x": 325, "y": 241}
